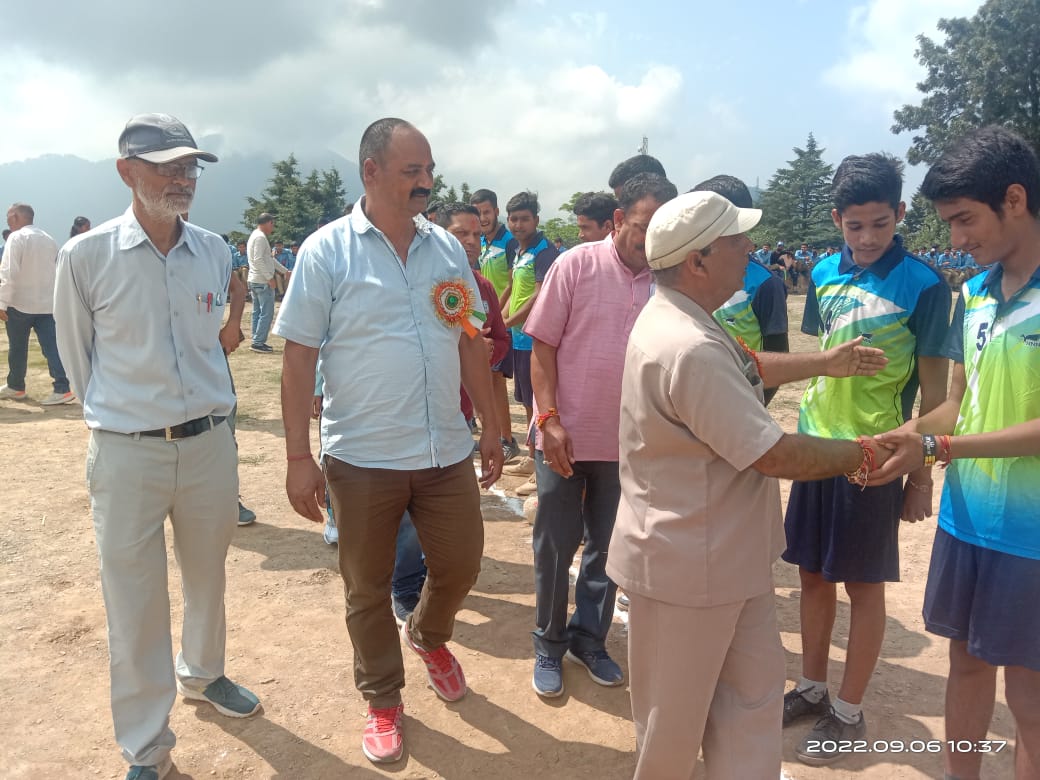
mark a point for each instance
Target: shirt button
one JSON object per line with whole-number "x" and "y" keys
{"x": 181, "y": 353}
{"x": 191, "y": 392}
{"x": 176, "y": 314}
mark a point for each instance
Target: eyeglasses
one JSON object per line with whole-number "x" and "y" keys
{"x": 173, "y": 170}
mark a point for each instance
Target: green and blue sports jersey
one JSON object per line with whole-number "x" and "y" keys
{"x": 495, "y": 261}
{"x": 757, "y": 310}
{"x": 899, "y": 304}
{"x": 995, "y": 502}
{"x": 529, "y": 268}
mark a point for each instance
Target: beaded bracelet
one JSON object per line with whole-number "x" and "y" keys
{"x": 859, "y": 477}
{"x": 542, "y": 419}
{"x": 931, "y": 447}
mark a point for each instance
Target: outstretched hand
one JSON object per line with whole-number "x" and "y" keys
{"x": 853, "y": 359}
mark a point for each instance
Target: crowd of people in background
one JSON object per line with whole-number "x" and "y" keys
{"x": 644, "y": 359}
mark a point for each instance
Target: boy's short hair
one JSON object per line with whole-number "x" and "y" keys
{"x": 523, "y": 201}
{"x": 597, "y": 206}
{"x": 981, "y": 165}
{"x": 729, "y": 187}
{"x": 484, "y": 196}
{"x": 868, "y": 178}
{"x": 626, "y": 169}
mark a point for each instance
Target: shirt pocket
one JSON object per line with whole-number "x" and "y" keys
{"x": 208, "y": 319}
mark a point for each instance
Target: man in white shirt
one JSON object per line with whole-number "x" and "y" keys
{"x": 27, "y": 304}
{"x": 262, "y": 282}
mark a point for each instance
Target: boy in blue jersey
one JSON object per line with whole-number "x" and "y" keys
{"x": 836, "y": 532}
{"x": 757, "y": 313}
{"x": 496, "y": 265}
{"x": 984, "y": 578}
{"x": 532, "y": 259}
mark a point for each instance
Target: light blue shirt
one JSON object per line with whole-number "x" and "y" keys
{"x": 286, "y": 258}
{"x": 390, "y": 365}
{"x": 139, "y": 333}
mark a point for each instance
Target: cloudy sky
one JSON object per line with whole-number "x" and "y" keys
{"x": 513, "y": 94}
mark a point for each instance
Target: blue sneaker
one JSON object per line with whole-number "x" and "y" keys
{"x": 229, "y": 699}
{"x": 157, "y": 772}
{"x": 600, "y": 666}
{"x": 245, "y": 516}
{"x": 548, "y": 676}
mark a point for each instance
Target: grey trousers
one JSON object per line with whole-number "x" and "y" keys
{"x": 135, "y": 483}
{"x": 564, "y": 517}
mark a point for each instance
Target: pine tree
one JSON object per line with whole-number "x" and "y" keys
{"x": 297, "y": 204}
{"x": 797, "y": 203}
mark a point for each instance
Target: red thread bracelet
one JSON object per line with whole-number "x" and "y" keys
{"x": 542, "y": 419}
{"x": 302, "y": 456}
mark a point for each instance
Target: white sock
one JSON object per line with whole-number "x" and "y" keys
{"x": 812, "y": 690}
{"x": 850, "y": 713}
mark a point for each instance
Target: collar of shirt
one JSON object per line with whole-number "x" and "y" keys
{"x": 881, "y": 267}
{"x": 131, "y": 234}
{"x": 609, "y": 240}
{"x": 992, "y": 280}
{"x": 360, "y": 222}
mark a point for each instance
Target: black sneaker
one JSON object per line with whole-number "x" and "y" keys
{"x": 261, "y": 348}
{"x": 797, "y": 707}
{"x": 822, "y": 745}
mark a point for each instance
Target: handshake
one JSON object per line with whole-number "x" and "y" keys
{"x": 902, "y": 451}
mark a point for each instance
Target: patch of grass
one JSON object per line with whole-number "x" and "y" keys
{"x": 252, "y": 460}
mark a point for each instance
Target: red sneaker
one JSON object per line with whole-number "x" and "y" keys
{"x": 444, "y": 671}
{"x": 382, "y": 741}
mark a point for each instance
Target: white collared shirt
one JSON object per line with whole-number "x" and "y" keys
{"x": 27, "y": 271}
{"x": 262, "y": 264}
{"x": 390, "y": 365}
{"x": 138, "y": 333}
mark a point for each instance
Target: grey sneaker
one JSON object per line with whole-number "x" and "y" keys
{"x": 510, "y": 450}
{"x": 14, "y": 395}
{"x": 229, "y": 699}
{"x": 797, "y": 706}
{"x": 601, "y": 667}
{"x": 245, "y": 516}
{"x": 821, "y": 745}
{"x": 156, "y": 772}
{"x": 547, "y": 680}
{"x": 330, "y": 534}
{"x": 57, "y": 399}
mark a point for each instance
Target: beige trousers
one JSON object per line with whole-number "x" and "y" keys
{"x": 710, "y": 678}
{"x": 135, "y": 483}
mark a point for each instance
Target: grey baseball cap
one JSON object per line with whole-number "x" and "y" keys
{"x": 159, "y": 138}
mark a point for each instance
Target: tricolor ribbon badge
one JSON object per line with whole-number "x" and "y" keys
{"x": 453, "y": 300}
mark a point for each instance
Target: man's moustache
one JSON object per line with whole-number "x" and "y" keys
{"x": 420, "y": 192}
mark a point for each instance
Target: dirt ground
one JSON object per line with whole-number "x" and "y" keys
{"x": 287, "y": 640}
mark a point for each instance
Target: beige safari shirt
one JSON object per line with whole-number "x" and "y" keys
{"x": 696, "y": 525}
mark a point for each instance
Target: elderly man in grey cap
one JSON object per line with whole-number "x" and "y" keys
{"x": 699, "y": 521}
{"x": 139, "y": 308}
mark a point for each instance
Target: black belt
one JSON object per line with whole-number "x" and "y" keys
{"x": 184, "y": 430}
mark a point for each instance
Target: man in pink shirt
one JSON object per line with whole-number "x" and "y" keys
{"x": 580, "y": 324}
